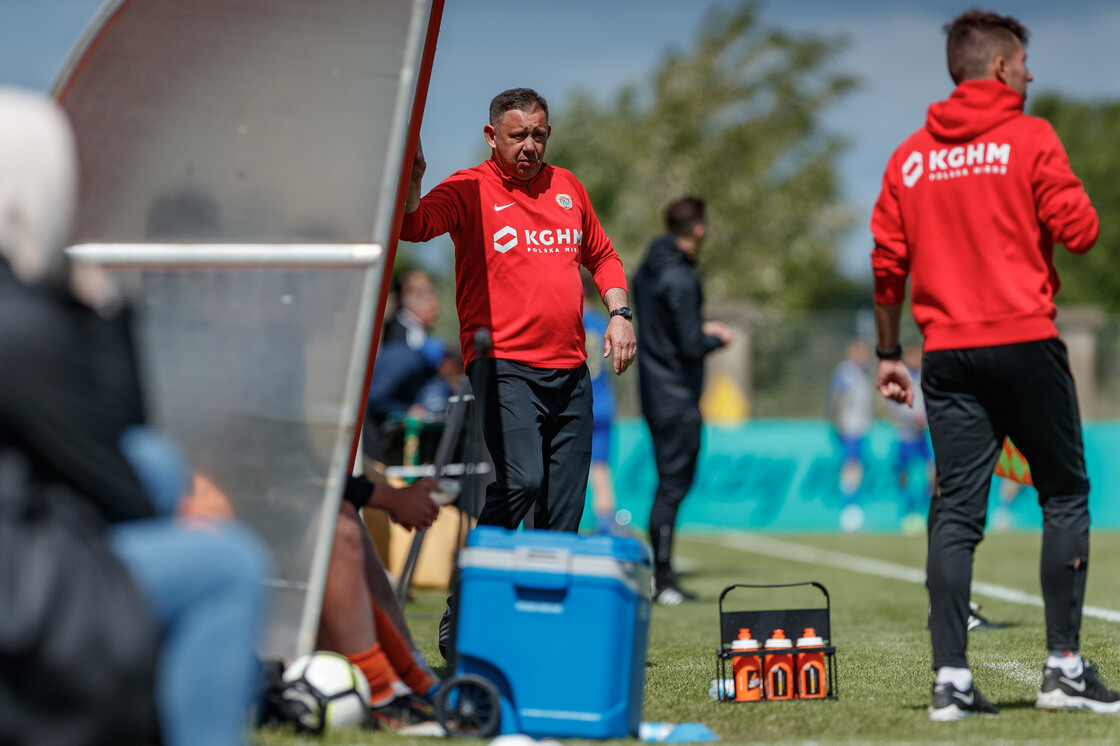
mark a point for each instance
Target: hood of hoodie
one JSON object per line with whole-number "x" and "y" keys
{"x": 38, "y": 186}
{"x": 665, "y": 254}
{"x": 975, "y": 107}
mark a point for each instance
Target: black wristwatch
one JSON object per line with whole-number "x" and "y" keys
{"x": 624, "y": 312}
{"x": 891, "y": 353}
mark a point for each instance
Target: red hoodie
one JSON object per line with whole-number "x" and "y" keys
{"x": 970, "y": 209}
{"x": 518, "y": 248}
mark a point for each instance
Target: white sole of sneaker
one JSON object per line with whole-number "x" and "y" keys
{"x": 952, "y": 712}
{"x": 1059, "y": 701}
{"x": 947, "y": 714}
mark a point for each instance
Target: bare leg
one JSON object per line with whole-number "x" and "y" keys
{"x": 346, "y": 623}
{"x": 379, "y": 587}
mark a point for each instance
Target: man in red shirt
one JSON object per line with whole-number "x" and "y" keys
{"x": 971, "y": 207}
{"x": 521, "y": 230}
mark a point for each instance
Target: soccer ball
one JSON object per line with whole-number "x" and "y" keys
{"x": 326, "y": 690}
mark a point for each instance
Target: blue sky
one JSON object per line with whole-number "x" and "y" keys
{"x": 596, "y": 46}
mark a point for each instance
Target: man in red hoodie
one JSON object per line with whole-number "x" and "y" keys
{"x": 971, "y": 207}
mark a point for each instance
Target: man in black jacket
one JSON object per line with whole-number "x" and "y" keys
{"x": 675, "y": 339}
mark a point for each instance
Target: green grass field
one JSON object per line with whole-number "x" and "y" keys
{"x": 878, "y": 628}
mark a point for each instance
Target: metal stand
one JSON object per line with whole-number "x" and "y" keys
{"x": 463, "y": 419}
{"x": 762, "y": 624}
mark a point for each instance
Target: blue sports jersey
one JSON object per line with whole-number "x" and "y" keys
{"x": 595, "y": 327}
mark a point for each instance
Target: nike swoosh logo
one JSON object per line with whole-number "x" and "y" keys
{"x": 1078, "y": 686}
{"x": 499, "y": 208}
{"x": 966, "y": 698}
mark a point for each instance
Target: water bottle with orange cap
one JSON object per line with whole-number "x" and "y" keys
{"x": 747, "y": 668}
{"x": 810, "y": 665}
{"x": 778, "y": 666}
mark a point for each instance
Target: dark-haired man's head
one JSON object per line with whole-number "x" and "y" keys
{"x": 684, "y": 219}
{"x": 517, "y": 132}
{"x": 986, "y": 46}
{"x": 522, "y": 99}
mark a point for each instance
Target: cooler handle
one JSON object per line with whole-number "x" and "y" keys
{"x": 541, "y": 569}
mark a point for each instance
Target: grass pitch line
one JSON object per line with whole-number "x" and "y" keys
{"x": 811, "y": 555}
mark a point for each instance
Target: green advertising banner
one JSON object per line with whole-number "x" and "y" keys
{"x": 784, "y": 475}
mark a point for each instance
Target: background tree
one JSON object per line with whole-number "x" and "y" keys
{"x": 735, "y": 122}
{"x": 1088, "y": 131}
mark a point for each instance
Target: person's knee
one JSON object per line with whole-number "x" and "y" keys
{"x": 526, "y": 481}
{"x": 347, "y": 546}
{"x": 664, "y": 509}
{"x": 1067, "y": 512}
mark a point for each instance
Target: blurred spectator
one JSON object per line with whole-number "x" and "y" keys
{"x": 850, "y": 410}
{"x": 416, "y": 311}
{"x": 913, "y": 452}
{"x": 413, "y": 372}
{"x": 602, "y": 410}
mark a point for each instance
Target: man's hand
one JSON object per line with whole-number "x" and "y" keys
{"x": 419, "y": 166}
{"x": 619, "y": 339}
{"x": 893, "y": 382}
{"x": 717, "y": 329}
{"x": 410, "y": 506}
{"x": 206, "y": 503}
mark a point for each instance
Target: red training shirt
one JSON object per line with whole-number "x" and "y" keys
{"x": 970, "y": 209}
{"x": 518, "y": 248}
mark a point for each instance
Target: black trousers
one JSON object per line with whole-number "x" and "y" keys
{"x": 974, "y": 398}
{"x": 676, "y": 447}
{"x": 537, "y": 426}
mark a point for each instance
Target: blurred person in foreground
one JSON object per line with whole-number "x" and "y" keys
{"x": 675, "y": 340}
{"x": 71, "y": 404}
{"x": 971, "y": 207}
{"x": 522, "y": 229}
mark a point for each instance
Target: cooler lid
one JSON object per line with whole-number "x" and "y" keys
{"x": 622, "y": 548}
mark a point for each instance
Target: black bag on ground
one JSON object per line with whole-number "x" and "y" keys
{"x": 77, "y": 644}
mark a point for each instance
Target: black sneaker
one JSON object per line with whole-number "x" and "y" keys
{"x": 949, "y": 703}
{"x": 669, "y": 594}
{"x": 403, "y": 711}
{"x": 1084, "y": 692}
{"x": 975, "y": 621}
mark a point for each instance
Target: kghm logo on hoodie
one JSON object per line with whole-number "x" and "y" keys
{"x": 956, "y": 162}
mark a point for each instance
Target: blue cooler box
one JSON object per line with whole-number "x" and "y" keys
{"x": 558, "y": 623}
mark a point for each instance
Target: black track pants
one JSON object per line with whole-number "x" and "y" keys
{"x": 676, "y": 447}
{"x": 537, "y": 425}
{"x": 974, "y": 398}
